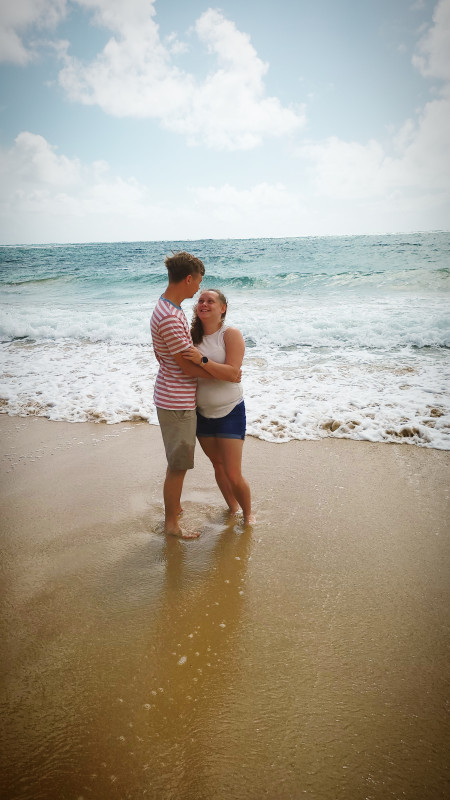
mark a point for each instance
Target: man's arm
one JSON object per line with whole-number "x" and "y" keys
{"x": 174, "y": 335}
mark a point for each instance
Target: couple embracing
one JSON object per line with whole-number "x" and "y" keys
{"x": 198, "y": 390}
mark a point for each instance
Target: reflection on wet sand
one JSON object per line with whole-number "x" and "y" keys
{"x": 194, "y": 661}
{"x": 118, "y": 707}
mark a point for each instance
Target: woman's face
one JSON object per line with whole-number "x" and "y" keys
{"x": 209, "y": 307}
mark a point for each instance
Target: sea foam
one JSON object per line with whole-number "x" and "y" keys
{"x": 344, "y": 337}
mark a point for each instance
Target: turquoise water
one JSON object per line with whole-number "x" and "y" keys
{"x": 346, "y": 336}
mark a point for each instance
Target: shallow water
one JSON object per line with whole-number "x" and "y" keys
{"x": 143, "y": 667}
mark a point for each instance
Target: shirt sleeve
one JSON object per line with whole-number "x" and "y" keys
{"x": 174, "y": 334}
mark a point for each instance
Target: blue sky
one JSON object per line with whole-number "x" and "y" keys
{"x": 175, "y": 119}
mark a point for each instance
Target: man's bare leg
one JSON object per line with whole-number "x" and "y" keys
{"x": 173, "y": 486}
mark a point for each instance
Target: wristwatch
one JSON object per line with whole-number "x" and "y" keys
{"x": 204, "y": 360}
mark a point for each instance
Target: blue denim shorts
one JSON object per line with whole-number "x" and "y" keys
{"x": 231, "y": 426}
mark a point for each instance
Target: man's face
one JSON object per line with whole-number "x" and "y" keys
{"x": 194, "y": 283}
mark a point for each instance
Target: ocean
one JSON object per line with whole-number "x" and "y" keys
{"x": 346, "y": 337}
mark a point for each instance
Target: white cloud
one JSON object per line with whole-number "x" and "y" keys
{"x": 262, "y": 210}
{"x": 412, "y": 174}
{"x": 174, "y": 46}
{"x": 425, "y": 163}
{"x": 134, "y": 76}
{"x": 121, "y": 15}
{"x": 228, "y": 203}
{"x": 419, "y": 5}
{"x": 34, "y": 161}
{"x": 433, "y": 52}
{"x": 235, "y": 93}
{"x": 352, "y": 170}
{"x": 49, "y": 197}
{"x": 344, "y": 169}
{"x": 19, "y": 16}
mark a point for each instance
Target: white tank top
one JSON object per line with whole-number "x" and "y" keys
{"x": 216, "y": 398}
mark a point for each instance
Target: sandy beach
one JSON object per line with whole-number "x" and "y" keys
{"x": 306, "y": 657}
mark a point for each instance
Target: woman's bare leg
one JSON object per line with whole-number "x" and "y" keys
{"x": 230, "y": 451}
{"x": 211, "y": 448}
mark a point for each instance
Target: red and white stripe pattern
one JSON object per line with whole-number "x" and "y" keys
{"x": 171, "y": 335}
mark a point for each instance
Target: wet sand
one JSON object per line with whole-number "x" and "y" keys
{"x": 307, "y": 657}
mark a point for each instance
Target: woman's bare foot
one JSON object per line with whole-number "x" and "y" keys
{"x": 233, "y": 511}
{"x": 250, "y": 520}
{"x": 180, "y": 534}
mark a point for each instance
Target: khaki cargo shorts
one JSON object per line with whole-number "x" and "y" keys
{"x": 178, "y": 430}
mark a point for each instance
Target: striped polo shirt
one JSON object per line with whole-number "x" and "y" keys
{"x": 171, "y": 335}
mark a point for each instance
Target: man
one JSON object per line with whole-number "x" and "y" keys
{"x": 176, "y": 383}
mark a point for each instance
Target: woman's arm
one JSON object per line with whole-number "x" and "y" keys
{"x": 189, "y": 367}
{"x": 234, "y": 355}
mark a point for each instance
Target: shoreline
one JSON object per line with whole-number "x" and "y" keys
{"x": 404, "y": 437}
{"x": 306, "y": 655}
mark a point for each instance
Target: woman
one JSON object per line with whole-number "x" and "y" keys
{"x": 220, "y": 405}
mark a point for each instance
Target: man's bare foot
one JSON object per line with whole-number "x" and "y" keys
{"x": 180, "y": 534}
{"x": 250, "y": 520}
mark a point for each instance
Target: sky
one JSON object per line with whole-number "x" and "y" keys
{"x": 137, "y": 120}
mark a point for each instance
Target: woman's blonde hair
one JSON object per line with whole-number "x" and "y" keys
{"x": 197, "y": 325}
